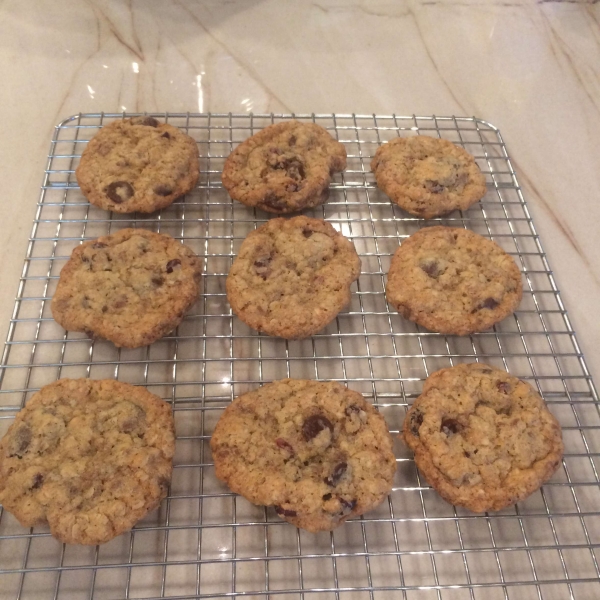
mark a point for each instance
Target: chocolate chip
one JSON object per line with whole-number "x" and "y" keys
{"x": 163, "y": 190}
{"x": 296, "y": 171}
{"x": 487, "y": 303}
{"x": 284, "y": 512}
{"x": 148, "y": 121}
{"x": 281, "y": 443}
{"x": 292, "y": 140}
{"x": 157, "y": 280}
{"x": 166, "y": 135}
{"x": 337, "y": 474}
{"x": 133, "y": 421}
{"x": 348, "y": 504}
{"x": 450, "y": 426}
{"x": 262, "y": 266}
{"x": 326, "y": 497}
{"x": 20, "y": 441}
{"x": 119, "y": 191}
{"x": 97, "y": 245}
{"x": 37, "y": 481}
{"x": 432, "y": 268}
{"x": 314, "y": 425}
{"x": 104, "y": 308}
{"x": 273, "y": 201}
{"x": 352, "y": 409}
{"x": 306, "y": 232}
{"x": 416, "y": 420}
{"x": 172, "y": 264}
{"x": 503, "y": 387}
{"x": 434, "y": 186}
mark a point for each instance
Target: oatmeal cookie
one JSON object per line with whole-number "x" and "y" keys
{"x": 132, "y": 287}
{"x": 428, "y": 177}
{"x": 317, "y": 452}
{"x": 284, "y": 168}
{"x": 91, "y": 458}
{"x": 453, "y": 281}
{"x": 139, "y": 165}
{"x": 483, "y": 438}
{"x": 292, "y": 277}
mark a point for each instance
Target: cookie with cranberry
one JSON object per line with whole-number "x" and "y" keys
{"x": 315, "y": 451}
{"x": 428, "y": 177}
{"x": 284, "y": 168}
{"x": 292, "y": 277}
{"x": 482, "y": 438}
{"x": 453, "y": 281}
{"x": 132, "y": 287}
{"x": 89, "y": 457}
{"x": 139, "y": 165}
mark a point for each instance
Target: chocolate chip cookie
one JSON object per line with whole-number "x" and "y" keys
{"x": 91, "y": 458}
{"x": 292, "y": 277}
{"x": 139, "y": 165}
{"x": 483, "y": 438}
{"x": 453, "y": 281}
{"x": 428, "y": 177}
{"x": 316, "y": 451}
{"x": 132, "y": 287}
{"x": 284, "y": 168}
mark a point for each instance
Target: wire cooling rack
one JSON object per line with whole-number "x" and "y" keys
{"x": 206, "y": 542}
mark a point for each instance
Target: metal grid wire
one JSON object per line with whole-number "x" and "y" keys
{"x": 206, "y": 542}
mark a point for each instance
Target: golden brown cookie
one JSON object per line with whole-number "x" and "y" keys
{"x": 453, "y": 281}
{"x": 483, "y": 438}
{"x": 292, "y": 277}
{"x": 132, "y": 287}
{"x": 316, "y": 451}
{"x": 91, "y": 458}
{"x": 284, "y": 168}
{"x": 139, "y": 165}
{"x": 428, "y": 177}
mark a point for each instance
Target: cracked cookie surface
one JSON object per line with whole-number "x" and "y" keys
{"x": 316, "y": 451}
{"x": 428, "y": 177}
{"x": 284, "y": 168}
{"x": 483, "y": 438}
{"x": 453, "y": 281}
{"x": 291, "y": 277}
{"x": 139, "y": 165}
{"x": 90, "y": 457}
{"x": 132, "y": 287}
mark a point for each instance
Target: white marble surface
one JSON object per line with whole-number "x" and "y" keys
{"x": 530, "y": 67}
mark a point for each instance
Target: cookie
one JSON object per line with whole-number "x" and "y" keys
{"x": 139, "y": 165}
{"x": 132, "y": 287}
{"x": 316, "y": 451}
{"x": 428, "y": 177}
{"x": 284, "y": 168}
{"x": 453, "y": 281}
{"x": 481, "y": 437}
{"x": 90, "y": 458}
{"x": 292, "y": 277}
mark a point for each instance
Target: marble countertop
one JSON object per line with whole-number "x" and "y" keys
{"x": 530, "y": 67}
